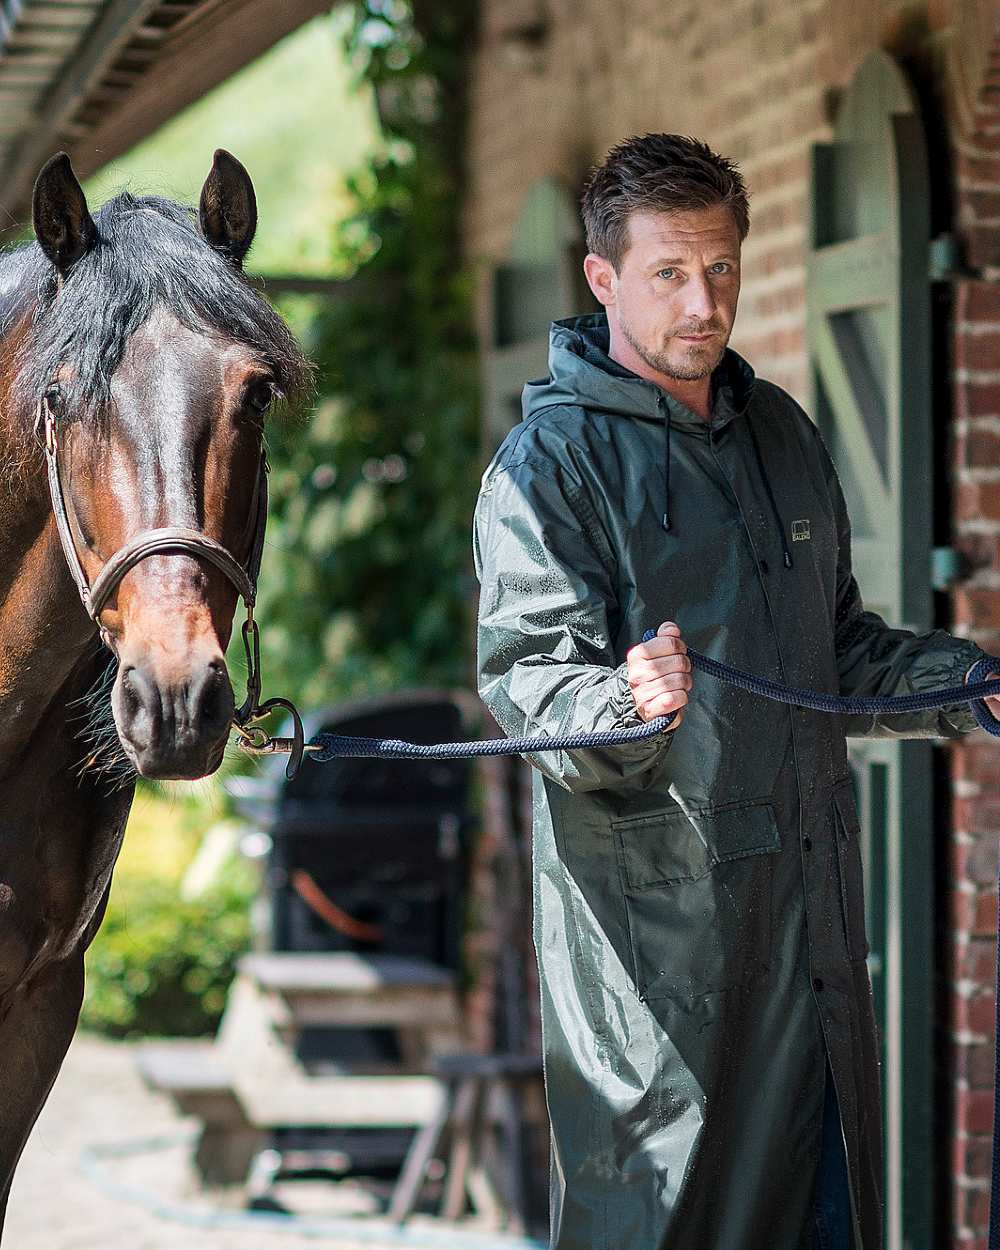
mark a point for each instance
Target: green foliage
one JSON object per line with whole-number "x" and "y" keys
{"x": 162, "y": 964}
{"x": 365, "y": 583}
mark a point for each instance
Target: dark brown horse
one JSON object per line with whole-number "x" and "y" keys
{"x": 133, "y": 340}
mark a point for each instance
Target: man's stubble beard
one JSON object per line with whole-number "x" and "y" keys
{"x": 662, "y": 363}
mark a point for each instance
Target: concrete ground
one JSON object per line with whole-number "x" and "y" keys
{"x": 72, "y": 1191}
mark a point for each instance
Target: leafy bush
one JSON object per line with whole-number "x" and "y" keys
{"x": 162, "y": 964}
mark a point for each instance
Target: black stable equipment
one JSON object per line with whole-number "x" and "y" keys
{"x": 384, "y": 844}
{"x": 369, "y": 856}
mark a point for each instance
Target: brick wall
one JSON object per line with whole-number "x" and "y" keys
{"x": 556, "y": 82}
{"x": 975, "y": 129}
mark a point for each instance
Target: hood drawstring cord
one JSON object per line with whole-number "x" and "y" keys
{"x": 665, "y": 522}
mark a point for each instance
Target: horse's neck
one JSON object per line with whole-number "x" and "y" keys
{"x": 44, "y": 631}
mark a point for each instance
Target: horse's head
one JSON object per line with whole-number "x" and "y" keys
{"x": 154, "y": 362}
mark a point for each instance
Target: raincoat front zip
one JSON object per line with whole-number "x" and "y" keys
{"x": 698, "y": 900}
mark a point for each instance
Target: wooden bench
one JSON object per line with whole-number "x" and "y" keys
{"x": 190, "y": 1072}
{"x": 250, "y": 1082}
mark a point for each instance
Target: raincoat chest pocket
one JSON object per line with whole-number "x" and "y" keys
{"x": 847, "y": 835}
{"x": 697, "y": 888}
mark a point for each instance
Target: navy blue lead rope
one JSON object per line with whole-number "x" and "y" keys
{"x": 974, "y": 692}
{"x": 325, "y": 747}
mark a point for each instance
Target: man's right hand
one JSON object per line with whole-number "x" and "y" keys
{"x": 659, "y": 673}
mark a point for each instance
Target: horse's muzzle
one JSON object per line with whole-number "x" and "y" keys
{"x": 174, "y": 728}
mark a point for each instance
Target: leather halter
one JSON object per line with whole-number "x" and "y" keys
{"x": 176, "y": 538}
{"x": 182, "y": 539}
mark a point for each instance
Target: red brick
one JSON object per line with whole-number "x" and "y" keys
{"x": 962, "y": 913}
{"x": 982, "y": 860}
{"x": 982, "y": 245}
{"x": 974, "y": 1110}
{"x": 976, "y": 761}
{"x": 985, "y": 916}
{"x": 977, "y": 399}
{"x": 976, "y": 1209}
{"x": 982, "y": 447}
{"x": 978, "y": 1158}
{"x": 973, "y": 1013}
{"x": 980, "y": 1066}
{"x": 978, "y": 301}
{"x": 981, "y": 169}
{"x": 976, "y": 501}
{"x": 978, "y": 351}
{"x": 976, "y": 961}
{"x": 978, "y": 815}
{"x": 980, "y": 607}
{"x": 981, "y": 550}
{"x": 974, "y": 1063}
{"x": 982, "y": 204}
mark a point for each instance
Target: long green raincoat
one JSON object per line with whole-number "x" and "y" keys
{"x": 698, "y": 902}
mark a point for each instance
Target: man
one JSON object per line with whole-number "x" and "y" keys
{"x": 709, "y": 1041}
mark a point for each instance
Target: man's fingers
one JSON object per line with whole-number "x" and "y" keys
{"x": 663, "y": 705}
{"x": 659, "y": 673}
{"x": 659, "y": 666}
{"x": 664, "y": 644}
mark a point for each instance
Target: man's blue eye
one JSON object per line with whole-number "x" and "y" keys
{"x": 663, "y": 271}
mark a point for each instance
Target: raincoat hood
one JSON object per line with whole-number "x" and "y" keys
{"x": 582, "y": 373}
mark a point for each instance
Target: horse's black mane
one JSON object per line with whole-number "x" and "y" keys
{"x": 149, "y": 252}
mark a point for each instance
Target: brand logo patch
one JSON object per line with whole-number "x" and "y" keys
{"x": 800, "y": 531}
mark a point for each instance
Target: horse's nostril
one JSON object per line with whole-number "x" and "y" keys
{"x": 130, "y": 700}
{"x": 211, "y": 699}
{"x": 133, "y": 689}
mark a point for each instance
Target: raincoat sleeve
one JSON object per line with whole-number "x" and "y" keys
{"x": 545, "y": 659}
{"x": 875, "y": 659}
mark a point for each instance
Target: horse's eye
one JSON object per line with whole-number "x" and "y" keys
{"x": 260, "y": 395}
{"x": 54, "y": 399}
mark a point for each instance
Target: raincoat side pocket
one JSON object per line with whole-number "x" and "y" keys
{"x": 847, "y": 834}
{"x": 697, "y": 887}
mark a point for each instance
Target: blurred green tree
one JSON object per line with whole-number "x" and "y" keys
{"x": 366, "y": 580}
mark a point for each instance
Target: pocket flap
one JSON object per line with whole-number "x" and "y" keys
{"x": 667, "y": 846}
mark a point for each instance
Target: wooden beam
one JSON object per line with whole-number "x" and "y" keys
{"x": 81, "y": 74}
{"x": 203, "y": 54}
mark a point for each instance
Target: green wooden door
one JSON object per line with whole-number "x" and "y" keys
{"x": 542, "y": 281}
{"x": 870, "y": 351}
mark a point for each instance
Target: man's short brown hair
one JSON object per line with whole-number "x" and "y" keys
{"x": 656, "y": 173}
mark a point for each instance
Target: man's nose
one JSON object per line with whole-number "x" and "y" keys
{"x": 699, "y": 299}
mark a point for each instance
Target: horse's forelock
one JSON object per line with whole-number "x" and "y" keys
{"x": 148, "y": 253}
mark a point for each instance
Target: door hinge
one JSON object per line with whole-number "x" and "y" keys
{"x": 948, "y": 566}
{"x": 946, "y": 261}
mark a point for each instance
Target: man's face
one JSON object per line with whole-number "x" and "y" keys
{"x": 679, "y": 277}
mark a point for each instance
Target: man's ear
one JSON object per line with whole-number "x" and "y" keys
{"x": 63, "y": 225}
{"x": 600, "y": 275}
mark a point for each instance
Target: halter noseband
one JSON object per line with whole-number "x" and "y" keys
{"x": 175, "y": 538}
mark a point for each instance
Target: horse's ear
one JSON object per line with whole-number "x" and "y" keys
{"x": 63, "y": 224}
{"x": 228, "y": 208}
